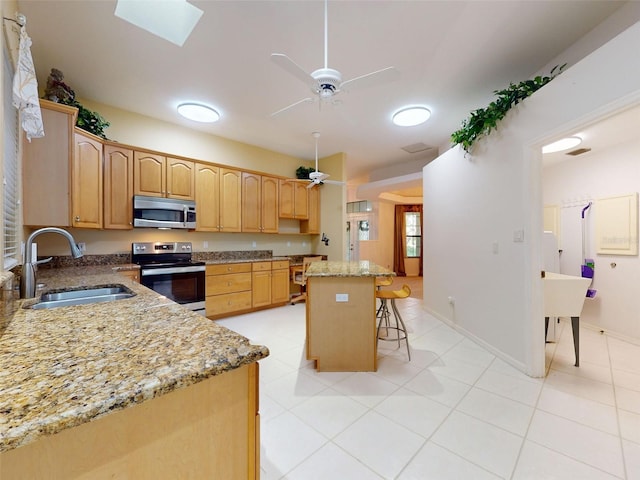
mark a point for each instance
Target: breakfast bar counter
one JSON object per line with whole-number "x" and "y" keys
{"x": 340, "y": 315}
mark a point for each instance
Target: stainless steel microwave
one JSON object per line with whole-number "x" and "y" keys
{"x": 156, "y": 212}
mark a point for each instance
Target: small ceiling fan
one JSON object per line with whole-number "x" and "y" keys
{"x": 326, "y": 82}
{"x": 316, "y": 177}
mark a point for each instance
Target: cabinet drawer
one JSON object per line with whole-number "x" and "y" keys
{"x": 228, "y": 268}
{"x": 279, "y": 264}
{"x": 227, "y": 303}
{"x": 260, "y": 266}
{"x": 233, "y": 282}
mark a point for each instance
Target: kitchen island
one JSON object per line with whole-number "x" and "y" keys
{"x": 341, "y": 315}
{"x": 136, "y": 388}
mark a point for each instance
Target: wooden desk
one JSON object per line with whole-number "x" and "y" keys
{"x": 341, "y": 315}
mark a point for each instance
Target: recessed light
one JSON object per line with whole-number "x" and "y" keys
{"x": 411, "y": 116}
{"x": 198, "y": 112}
{"x": 562, "y": 144}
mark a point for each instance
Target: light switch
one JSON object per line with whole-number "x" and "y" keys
{"x": 518, "y": 236}
{"x": 495, "y": 247}
{"x": 342, "y": 297}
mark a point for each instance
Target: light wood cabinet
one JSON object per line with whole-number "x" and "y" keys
{"x": 46, "y": 161}
{"x": 159, "y": 176}
{"x": 227, "y": 289}
{"x": 261, "y": 284}
{"x": 279, "y": 282}
{"x": 259, "y": 203}
{"x": 86, "y": 182}
{"x": 293, "y": 199}
{"x": 118, "y": 187}
{"x": 312, "y": 225}
{"x": 210, "y": 429}
{"x": 133, "y": 275}
{"x": 218, "y": 199}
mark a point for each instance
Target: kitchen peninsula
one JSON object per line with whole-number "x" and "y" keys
{"x": 136, "y": 388}
{"x": 341, "y": 315}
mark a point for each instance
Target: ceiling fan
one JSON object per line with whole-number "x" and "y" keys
{"x": 326, "y": 83}
{"x": 316, "y": 177}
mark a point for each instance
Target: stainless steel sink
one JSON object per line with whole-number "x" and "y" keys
{"x": 82, "y": 296}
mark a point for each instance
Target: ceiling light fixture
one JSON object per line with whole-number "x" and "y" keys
{"x": 411, "y": 116}
{"x": 562, "y": 144}
{"x": 198, "y": 112}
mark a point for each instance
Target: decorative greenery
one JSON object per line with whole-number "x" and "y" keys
{"x": 302, "y": 173}
{"x": 484, "y": 120}
{"x": 90, "y": 121}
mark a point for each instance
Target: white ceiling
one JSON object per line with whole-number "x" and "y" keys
{"x": 451, "y": 55}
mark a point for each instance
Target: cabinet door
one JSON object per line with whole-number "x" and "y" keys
{"x": 251, "y": 196}
{"x": 180, "y": 179}
{"x": 286, "y": 199}
{"x": 118, "y": 188}
{"x": 269, "y": 205}
{"x": 149, "y": 174}
{"x": 86, "y": 181}
{"x": 280, "y": 285}
{"x": 230, "y": 200}
{"x": 312, "y": 225}
{"x": 207, "y": 198}
{"x": 301, "y": 207}
{"x": 261, "y": 288}
{"x": 46, "y": 178}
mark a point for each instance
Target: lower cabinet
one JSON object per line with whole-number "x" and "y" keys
{"x": 241, "y": 287}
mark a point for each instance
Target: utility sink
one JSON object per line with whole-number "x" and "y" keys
{"x": 82, "y": 296}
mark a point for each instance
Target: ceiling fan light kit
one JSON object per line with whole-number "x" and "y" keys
{"x": 411, "y": 116}
{"x": 198, "y": 112}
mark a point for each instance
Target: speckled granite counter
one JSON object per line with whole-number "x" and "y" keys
{"x": 63, "y": 367}
{"x": 363, "y": 268}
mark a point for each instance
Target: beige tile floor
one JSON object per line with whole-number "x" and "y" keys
{"x": 454, "y": 412}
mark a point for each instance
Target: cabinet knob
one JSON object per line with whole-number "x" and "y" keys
{"x": 77, "y": 218}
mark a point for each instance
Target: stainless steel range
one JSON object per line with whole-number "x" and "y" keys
{"x": 167, "y": 268}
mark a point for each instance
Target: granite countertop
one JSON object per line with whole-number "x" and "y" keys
{"x": 66, "y": 366}
{"x": 363, "y": 268}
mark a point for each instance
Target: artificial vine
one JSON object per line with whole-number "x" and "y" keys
{"x": 483, "y": 120}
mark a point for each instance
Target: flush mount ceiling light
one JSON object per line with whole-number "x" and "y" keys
{"x": 172, "y": 20}
{"x": 411, "y": 116}
{"x": 562, "y": 144}
{"x": 198, "y": 112}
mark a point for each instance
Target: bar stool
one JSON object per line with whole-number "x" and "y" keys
{"x": 384, "y": 315}
{"x": 382, "y": 282}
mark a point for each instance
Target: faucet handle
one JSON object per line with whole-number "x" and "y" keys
{"x": 44, "y": 260}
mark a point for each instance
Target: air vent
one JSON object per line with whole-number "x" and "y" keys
{"x": 416, "y": 147}
{"x": 578, "y": 151}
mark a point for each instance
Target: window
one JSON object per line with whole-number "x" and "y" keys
{"x": 10, "y": 185}
{"x": 413, "y": 234}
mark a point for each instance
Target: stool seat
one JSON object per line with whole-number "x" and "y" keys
{"x": 384, "y": 315}
{"x": 393, "y": 294}
{"x": 383, "y": 281}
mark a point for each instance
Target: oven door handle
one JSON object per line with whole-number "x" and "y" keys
{"x": 170, "y": 270}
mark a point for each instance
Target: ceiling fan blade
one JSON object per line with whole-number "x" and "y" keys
{"x": 334, "y": 182}
{"x": 304, "y": 100}
{"x": 292, "y": 67}
{"x": 378, "y": 77}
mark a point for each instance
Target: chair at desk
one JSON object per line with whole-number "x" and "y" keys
{"x": 300, "y": 278}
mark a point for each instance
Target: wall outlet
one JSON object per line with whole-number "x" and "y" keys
{"x": 288, "y": 244}
{"x": 518, "y": 236}
{"x": 205, "y": 244}
{"x": 342, "y": 297}
{"x": 253, "y": 244}
{"x": 82, "y": 246}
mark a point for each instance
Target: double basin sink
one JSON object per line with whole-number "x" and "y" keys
{"x": 82, "y": 296}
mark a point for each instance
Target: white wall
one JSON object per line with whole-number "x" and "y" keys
{"x": 472, "y": 204}
{"x": 599, "y": 174}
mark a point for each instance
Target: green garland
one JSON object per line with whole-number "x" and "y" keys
{"x": 484, "y": 120}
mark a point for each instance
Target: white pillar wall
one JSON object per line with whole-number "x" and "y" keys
{"x": 476, "y": 206}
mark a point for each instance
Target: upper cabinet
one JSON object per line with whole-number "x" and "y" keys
{"x": 293, "y": 199}
{"x": 86, "y": 177}
{"x": 312, "y": 224}
{"x": 158, "y": 176}
{"x": 218, "y": 198}
{"x": 259, "y": 203}
{"x": 46, "y": 163}
{"x": 118, "y": 187}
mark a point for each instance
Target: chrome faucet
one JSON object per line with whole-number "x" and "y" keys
{"x": 28, "y": 278}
